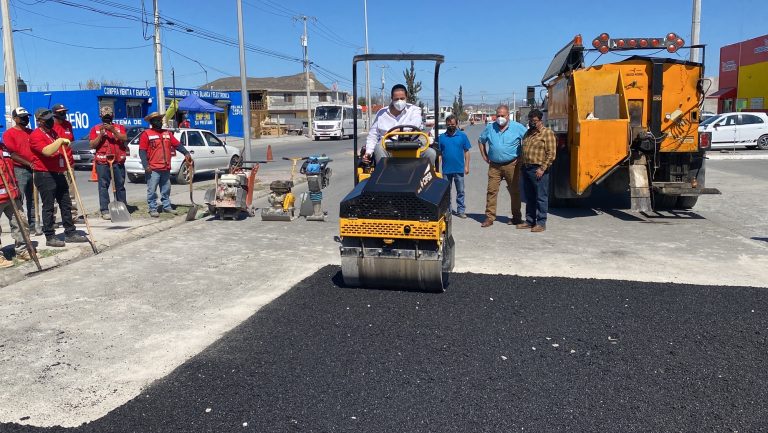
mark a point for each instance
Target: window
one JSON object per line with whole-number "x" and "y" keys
{"x": 288, "y": 97}
{"x": 183, "y": 140}
{"x": 194, "y": 139}
{"x": 749, "y": 119}
{"x": 133, "y": 109}
{"x": 322, "y": 97}
{"x": 212, "y": 139}
{"x": 729, "y": 121}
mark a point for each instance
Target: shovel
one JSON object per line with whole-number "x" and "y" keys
{"x": 80, "y": 206}
{"x": 117, "y": 209}
{"x": 22, "y": 222}
{"x": 192, "y": 212}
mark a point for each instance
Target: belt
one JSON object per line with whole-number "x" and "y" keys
{"x": 505, "y": 163}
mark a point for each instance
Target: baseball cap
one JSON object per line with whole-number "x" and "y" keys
{"x": 106, "y": 110}
{"x": 19, "y": 112}
{"x": 43, "y": 114}
{"x": 59, "y": 107}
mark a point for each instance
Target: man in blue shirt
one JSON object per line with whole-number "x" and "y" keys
{"x": 454, "y": 147}
{"x": 503, "y": 138}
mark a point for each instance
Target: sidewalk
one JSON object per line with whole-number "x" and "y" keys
{"x": 108, "y": 234}
{"x": 263, "y": 142}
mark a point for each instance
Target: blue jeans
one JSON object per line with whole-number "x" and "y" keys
{"x": 458, "y": 180}
{"x": 536, "y": 196}
{"x": 105, "y": 185}
{"x": 24, "y": 180}
{"x": 162, "y": 178}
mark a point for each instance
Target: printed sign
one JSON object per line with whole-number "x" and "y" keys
{"x": 204, "y": 94}
{"x": 125, "y": 92}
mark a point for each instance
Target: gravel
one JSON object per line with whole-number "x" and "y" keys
{"x": 493, "y": 353}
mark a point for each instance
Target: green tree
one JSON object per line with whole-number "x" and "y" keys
{"x": 413, "y": 86}
{"x": 361, "y": 101}
{"x": 456, "y": 110}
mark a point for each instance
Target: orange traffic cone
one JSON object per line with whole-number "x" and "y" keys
{"x": 94, "y": 176}
{"x": 269, "y": 153}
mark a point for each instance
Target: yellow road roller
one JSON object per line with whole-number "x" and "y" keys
{"x": 395, "y": 225}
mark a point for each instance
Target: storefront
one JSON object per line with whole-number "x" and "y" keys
{"x": 132, "y": 104}
{"x": 743, "y": 76}
{"x": 227, "y": 122}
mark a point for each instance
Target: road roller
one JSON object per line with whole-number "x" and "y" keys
{"x": 395, "y": 225}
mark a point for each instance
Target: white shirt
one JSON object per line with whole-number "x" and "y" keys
{"x": 385, "y": 121}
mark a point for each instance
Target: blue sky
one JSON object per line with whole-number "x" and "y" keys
{"x": 492, "y": 49}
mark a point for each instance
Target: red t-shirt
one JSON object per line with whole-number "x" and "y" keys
{"x": 17, "y": 141}
{"x": 110, "y": 146}
{"x": 7, "y": 168}
{"x": 64, "y": 130}
{"x": 54, "y": 163}
{"x": 160, "y": 146}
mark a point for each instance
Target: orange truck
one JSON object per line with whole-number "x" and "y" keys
{"x": 631, "y": 126}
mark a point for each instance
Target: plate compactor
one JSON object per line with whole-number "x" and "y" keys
{"x": 282, "y": 201}
{"x": 233, "y": 191}
{"x": 395, "y": 225}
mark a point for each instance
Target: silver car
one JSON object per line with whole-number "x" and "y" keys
{"x": 208, "y": 151}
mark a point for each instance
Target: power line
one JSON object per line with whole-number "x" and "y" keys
{"x": 84, "y": 46}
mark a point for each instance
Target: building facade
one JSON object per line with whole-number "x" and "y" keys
{"x": 131, "y": 104}
{"x": 743, "y": 83}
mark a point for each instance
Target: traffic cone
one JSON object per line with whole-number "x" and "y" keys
{"x": 269, "y": 153}
{"x": 94, "y": 176}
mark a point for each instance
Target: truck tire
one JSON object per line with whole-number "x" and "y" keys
{"x": 135, "y": 178}
{"x": 181, "y": 176}
{"x": 686, "y": 202}
{"x": 663, "y": 201}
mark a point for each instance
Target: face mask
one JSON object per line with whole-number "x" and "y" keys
{"x": 106, "y": 119}
{"x": 156, "y": 123}
{"x": 399, "y": 104}
{"x": 532, "y": 124}
{"x": 23, "y": 121}
{"x": 451, "y": 130}
{"x": 60, "y": 116}
{"x": 501, "y": 121}
{"x": 48, "y": 123}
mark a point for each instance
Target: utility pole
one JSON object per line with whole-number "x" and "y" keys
{"x": 695, "y": 28}
{"x": 9, "y": 63}
{"x": 514, "y": 106}
{"x": 305, "y": 43}
{"x": 382, "y": 83}
{"x": 243, "y": 87}
{"x": 159, "y": 65}
{"x": 367, "y": 69}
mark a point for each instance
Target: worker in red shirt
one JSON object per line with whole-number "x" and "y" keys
{"x": 51, "y": 182}
{"x": 183, "y": 121}
{"x": 7, "y": 193}
{"x": 109, "y": 142}
{"x": 16, "y": 140}
{"x": 63, "y": 128}
{"x": 156, "y": 148}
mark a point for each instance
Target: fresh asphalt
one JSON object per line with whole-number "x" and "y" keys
{"x": 176, "y": 334}
{"x": 493, "y": 353}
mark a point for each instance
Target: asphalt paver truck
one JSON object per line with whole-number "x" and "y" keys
{"x": 631, "y": 125}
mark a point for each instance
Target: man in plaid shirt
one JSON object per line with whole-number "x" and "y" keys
{"x": 539, "y": 145}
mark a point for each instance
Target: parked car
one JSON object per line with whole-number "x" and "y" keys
{"x": 133, "y": 131}
{"x": 208, "y": 151}
{"x": 429, "y": 120}
{"x": 82, "y": 154}
{"x": 440, "y": 129}
{"x": 742, "y": 129}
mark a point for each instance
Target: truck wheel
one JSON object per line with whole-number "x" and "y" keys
{"x": 317, "y": 138}
{"x": 686, "y": 202}
{"x": 135, "y": 178}
{"x": 664, "y": 202}
{"x": 762, "y": 142}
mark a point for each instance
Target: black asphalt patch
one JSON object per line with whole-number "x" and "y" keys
{"x": 494, "y": 353}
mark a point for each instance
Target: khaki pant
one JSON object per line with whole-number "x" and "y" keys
{"x": 510, "y": 172}
{"x": 6, "y": 208}
{"x": 72, "y": 197}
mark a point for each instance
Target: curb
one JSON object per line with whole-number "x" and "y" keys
{"x": 730, "y": 156}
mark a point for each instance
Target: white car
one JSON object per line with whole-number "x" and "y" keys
{"x": 207, "y": 150}
{"x": 429, "y": 120}
{"x": 742, "y": 129}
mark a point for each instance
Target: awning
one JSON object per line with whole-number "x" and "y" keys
{"x": 724, "y": 93}
{"x": 193, "y": 103}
